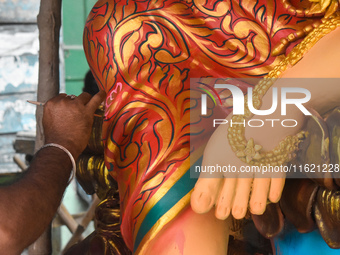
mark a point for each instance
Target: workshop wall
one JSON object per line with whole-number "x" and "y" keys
{"x": 19, "y": 63}
{"x": 18, "y": 73}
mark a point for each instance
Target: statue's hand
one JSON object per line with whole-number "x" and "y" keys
{"x": 230, "y": 192}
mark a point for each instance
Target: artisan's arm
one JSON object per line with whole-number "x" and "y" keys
{"x": 28, "y": 205}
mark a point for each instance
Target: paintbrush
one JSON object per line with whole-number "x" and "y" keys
{"x": 35, "y": 103}
{"x": 42, "y": 104}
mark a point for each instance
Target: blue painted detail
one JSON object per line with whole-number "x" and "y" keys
{"x": 181, "y": 188}
{"x": 293, "y": 243}
{"x": 110, "y": 169}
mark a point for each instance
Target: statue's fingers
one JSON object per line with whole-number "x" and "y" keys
{"x": 241, "y": 197}
{"x": 276, "y": 187}
{"x": 259, "y": 195}
{"x": 225, "y": 198}
{"x": 205, "y": 194}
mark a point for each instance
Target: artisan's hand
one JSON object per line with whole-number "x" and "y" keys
{"x": 68, "y": 121}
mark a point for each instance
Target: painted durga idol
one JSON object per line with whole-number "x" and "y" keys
{"x": 147, "y": 56}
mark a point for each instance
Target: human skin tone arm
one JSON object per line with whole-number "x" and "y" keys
{"x": 28, "y": 205}
{"x": 232, "y": 195}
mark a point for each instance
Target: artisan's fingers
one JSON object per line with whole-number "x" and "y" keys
{"x": 84, "y": 98}
{"x": 225, "y": 199}
{"x": 241, "y": 198}
{"x": 276, "y": 187}
{"x": 95, "y": 101}
{"x": 57, "y": 98}
{"x": 259, "y": 195}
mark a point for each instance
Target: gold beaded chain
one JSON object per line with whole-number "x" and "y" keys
{"x": 318, "y": 8}
{"x": 248, "y": 151}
